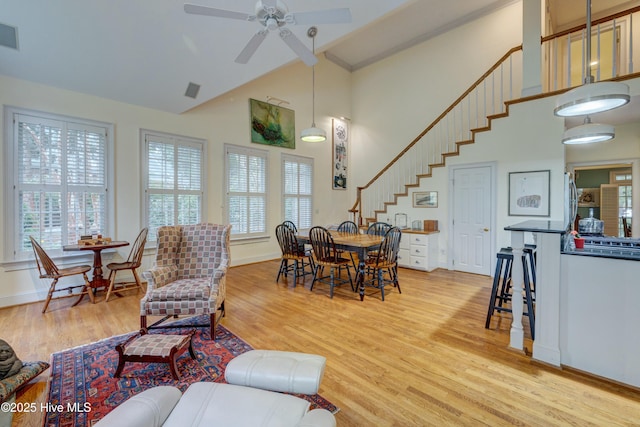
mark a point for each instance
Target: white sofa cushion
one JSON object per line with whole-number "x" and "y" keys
{"x": 208, "y": 404}
{"x": 284, "y": 371}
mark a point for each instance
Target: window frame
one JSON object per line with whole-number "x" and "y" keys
{"x": 176, "y": 140}
{"x": 298, "y": 160}
{"x": 239, "y": 149}
{"x": 11, "y": 256}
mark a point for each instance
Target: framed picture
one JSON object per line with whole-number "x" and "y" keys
{"x": 529, "y": 193}
{"x": 340, "y": 152}
{"x": 272, "y": 124}
{"x": 425, "y": 199}
{"x": 588, "y": 197}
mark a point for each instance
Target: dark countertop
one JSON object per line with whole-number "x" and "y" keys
{"x": 539, "y": 226}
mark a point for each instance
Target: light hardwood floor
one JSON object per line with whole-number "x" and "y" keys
{"x": 421, "y": 358}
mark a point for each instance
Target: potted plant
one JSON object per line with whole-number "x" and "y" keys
{"x": 577, "y": 239}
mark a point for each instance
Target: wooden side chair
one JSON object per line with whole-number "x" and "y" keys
{"x": 350, "y": 227}
{"x": 49, "y": 270}
{"x": 326, "y": 255}
{"x": 385, "y": 261}
{"x": 301, "y": 259}
{"x": 132, "y": 263}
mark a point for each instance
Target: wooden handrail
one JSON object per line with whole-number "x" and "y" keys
{"x": 444, "y": 113}
{"x": 593, "y": 22}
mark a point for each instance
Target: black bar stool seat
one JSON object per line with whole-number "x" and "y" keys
{"x": 501, "y": 291}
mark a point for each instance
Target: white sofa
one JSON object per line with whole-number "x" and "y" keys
{"x": 251, "y": 398}
{"x": 215, "y": 404}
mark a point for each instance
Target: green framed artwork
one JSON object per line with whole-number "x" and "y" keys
{"x": 272, "y": 124}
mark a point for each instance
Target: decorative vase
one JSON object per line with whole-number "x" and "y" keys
{"x": 579, "y": 241}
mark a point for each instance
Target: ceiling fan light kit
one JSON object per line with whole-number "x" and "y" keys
{"x": 274, "y": 15}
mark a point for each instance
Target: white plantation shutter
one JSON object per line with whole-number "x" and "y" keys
{"x": 297, "y": 191}
{"x": 246, "y": 191}
{"x": 58, "y": 179}
{"x": 174, "y": 181}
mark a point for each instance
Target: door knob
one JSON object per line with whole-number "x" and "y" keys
{"x": 485, "y": 230}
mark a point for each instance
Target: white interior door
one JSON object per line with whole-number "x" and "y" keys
{"x": 472, "y": 219}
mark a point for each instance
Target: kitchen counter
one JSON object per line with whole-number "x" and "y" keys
{"x": 609, "y": 247}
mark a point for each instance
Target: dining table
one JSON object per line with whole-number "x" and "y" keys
{"x": 97, "y": 281}
{"x": 358, "y": 243}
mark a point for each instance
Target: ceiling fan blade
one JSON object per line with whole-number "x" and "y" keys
{"x": 252, "y": 46}
{"x": 330, "y": 16}
{"x": 298, "y": 47}
{"x": 221, "y": 13}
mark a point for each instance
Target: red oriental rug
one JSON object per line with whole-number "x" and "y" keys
{"x": 82, "y": 388}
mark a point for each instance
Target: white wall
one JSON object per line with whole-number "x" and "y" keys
{"x": 224, "y": 120}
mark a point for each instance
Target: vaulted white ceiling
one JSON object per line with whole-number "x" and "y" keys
{"x": 146, "y": 52}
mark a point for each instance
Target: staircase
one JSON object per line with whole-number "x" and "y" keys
{"x": 486, "y": 100}
{"x": 471, "y": 113}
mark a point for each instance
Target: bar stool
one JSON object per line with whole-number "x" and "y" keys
{"x": 501, "y": 290}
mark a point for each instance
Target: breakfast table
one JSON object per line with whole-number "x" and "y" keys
{"x": 97, "y": 281}
{"x": 358, "y": 243}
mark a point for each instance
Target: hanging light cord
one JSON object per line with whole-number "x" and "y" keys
{"x": 313, "y": 82}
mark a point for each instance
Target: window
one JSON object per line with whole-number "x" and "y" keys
{"x": 297, "y": 190}
{"x": 59, "y": 172}
{"x": 173, "y": 180}
{"x": 246, "y": 191}
{"x": 624, "y": 181}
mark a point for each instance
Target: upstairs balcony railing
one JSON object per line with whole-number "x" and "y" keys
{"x": 613, "y": 55}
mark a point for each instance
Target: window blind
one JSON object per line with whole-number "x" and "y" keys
{"x": 60, "y": 181}
{"x": 246, "y": 191}
{"x": 297, "y": 193}
{"x": 174, "y": 178}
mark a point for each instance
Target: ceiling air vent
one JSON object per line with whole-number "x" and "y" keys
{"x": 8, "y": 36}
{"x": 192, "y": 90}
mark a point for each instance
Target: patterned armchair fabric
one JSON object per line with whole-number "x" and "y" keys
{"x": 189, "y": 274}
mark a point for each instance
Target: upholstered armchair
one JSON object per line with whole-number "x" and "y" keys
{"x": 189, "y": 274}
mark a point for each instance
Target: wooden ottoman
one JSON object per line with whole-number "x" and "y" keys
{"x": 154, "y": 348}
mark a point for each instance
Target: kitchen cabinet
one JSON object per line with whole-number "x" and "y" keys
{"x": 418, "y": 250}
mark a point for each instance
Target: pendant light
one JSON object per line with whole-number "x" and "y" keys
{"x": 591, "y": 97}
{"x": 313, "y": 134}
{"x": 587, "y": 133}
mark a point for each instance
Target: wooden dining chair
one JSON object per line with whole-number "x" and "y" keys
{"x": 385, "y": 261}
{"x": 133, "y": 262}
{"x": 350, "y": 227}
{"x": 301, "y": 259}
{"x": 326, "y": 255}
{"x": 49, "y": 270}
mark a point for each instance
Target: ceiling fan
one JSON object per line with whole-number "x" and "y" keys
{"x": 274, "y": 15}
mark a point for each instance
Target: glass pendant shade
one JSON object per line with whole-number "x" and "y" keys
{"x": 588, "y": 133}
{"x": 592, "y": 98}
{"x": 313, "y": 134}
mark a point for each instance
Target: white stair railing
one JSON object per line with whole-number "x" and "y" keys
{"x": 471, "y": 112}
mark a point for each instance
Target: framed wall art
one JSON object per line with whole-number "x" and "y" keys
{"x": 272, "y": 124}
{"x": 340, "y": 152}
{"x": 425, "y": 199}
{"x": 529, "y": 193}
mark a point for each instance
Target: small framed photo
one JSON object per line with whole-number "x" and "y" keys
{"x": 425, "y": 199}
{"x": 529, "y": 193}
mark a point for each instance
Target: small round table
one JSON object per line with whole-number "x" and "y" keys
{"x": 97, "y": 281}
